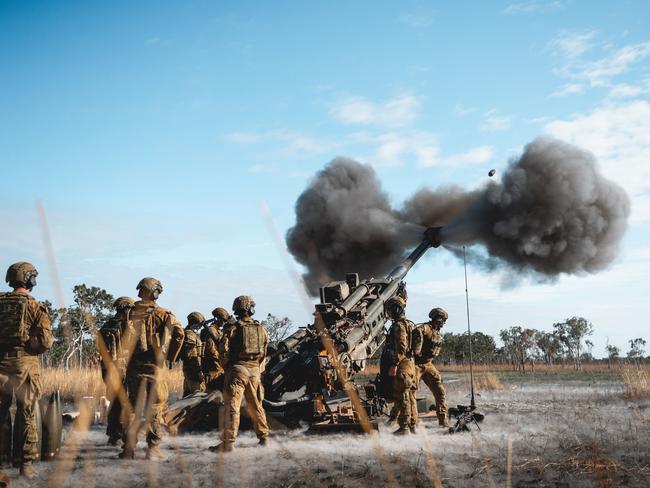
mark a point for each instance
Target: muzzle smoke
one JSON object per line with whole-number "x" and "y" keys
{"x": 552, "y": 213}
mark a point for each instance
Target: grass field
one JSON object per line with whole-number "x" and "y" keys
{"x": 554, "y": 427}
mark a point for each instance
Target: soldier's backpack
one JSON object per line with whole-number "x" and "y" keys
{"x": 430, "y": 349}
{"x": 14, "y": 331}
{"x": 250, "y": 340}
{"x": 141, "y": 325}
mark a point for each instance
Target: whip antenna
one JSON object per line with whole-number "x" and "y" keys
{"x": 469, "y": 335}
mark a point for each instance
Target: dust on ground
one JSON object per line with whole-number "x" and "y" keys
{"x": 569, "y": 433}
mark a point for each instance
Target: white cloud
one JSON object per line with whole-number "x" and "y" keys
{"x": 473, "y": 156}
{"x": 493, "y": 122}
{"x": 601, "y": 71}
{"x": 400, "y": 111}
{"x": 461, "y": 110}
{"x": 572, "y": 45}
{"x": 640, "y": 210}
{"x": 534, "y": 6}
{"x": 568, "y": 89}
{"x": 291, "y": 142}
{"x": 619, "y": 136}
{"x": 421, "y": 19}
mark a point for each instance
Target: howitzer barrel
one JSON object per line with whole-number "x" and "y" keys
{"x": 431, "y": 239}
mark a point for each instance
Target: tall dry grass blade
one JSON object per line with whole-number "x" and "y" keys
{"x": 509, "y": 463}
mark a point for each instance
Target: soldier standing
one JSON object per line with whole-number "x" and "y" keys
{"x": 403, "y": 368}
{"x": 191, "y": 355}
{"x": 243, "y": 348}
{"x": 426, "y": 371}
{"x": 212, "y": 368}
{"x": 114, "y": 377}
{"x": 155, "y": 336}
{"x": 25, "y": 332}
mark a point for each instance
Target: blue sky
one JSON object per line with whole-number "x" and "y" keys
{"x": 153, "y": 131}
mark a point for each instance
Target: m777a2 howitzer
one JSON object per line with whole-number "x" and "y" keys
{"x": 309, "y": 377}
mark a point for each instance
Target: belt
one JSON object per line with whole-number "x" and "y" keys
{"x": 12, "y": 354}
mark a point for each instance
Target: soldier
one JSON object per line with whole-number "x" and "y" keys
{"x": 25, "y": 332}
{"x": 211, "y": 364}
{"x": 243, "y": 349}
{"x": 115, "y": 376}
{"x": 155, "y": 336}
{"x": 403, "y": 368}
{"x": 191, "y": 355}
{"x": 426, "y": 371}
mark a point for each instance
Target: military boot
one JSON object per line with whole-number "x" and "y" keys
{"x": 27, "y": 470}
{"x": 402, "y": 431}
{"x": 155, "y": 454}
{"x": 223, "y": 447}
{"x": 127, "y": 453}
{"x": 113, "y": 441}
{"x": 412, "y": 429}
{"x": 442, "y": 420}
{"x": 264, "y": 441}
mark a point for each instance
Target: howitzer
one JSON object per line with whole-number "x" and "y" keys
{"x": 309, "y": 376}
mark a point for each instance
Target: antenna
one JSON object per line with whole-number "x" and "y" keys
{"x": 469, "y": 335}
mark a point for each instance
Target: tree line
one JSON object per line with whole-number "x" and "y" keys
{"x": 567, "y": 343}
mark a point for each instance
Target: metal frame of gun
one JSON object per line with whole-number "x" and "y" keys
{"x": 317, "y": 363}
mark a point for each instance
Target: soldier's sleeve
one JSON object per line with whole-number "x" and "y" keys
{"x": 177, "y": 336}
{"x": 401, "y": 342}
{"x": 417, "y": 340}
{"x": 40, "y": 330}
{"x": 224, "y": 345}
{"x": 266, "y": 344}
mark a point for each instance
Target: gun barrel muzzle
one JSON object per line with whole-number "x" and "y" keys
{"x": 432, "y": 234}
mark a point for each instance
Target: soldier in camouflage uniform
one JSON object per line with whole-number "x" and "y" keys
{"x": 155, "y": 337}
{"x": 25, "y": 332}
{"x": 191, "y": 355}
{"x": 400, "y": 338}
{"x": 212, "y": 368}
{"x": 114, "y": 376}
{"x": 243, "y": 349}
{"x": 426, "y": 371}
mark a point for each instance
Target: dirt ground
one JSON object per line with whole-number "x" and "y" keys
{"x": 538, "y": 431}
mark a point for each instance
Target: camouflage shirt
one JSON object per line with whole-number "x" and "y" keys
{"x": 431, "y": 343}
{"x": 37, "y": 322}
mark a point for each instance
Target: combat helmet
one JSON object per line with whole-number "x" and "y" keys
{"x": 195, "y": 318}
{"x": 21, "y": 274}
{"x": 122, "y": 303}
{"x": 395, "y": 306}
{"x": 243, "y": 304}
{"x": 221, "y": 314}
{"x": 151, "y": 284}
{"x": 438, "y": 313}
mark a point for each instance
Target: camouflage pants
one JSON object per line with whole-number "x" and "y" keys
{"x": 214, "y": 381}
{"x": 238, "y": 386}
{"x": 148, "y": 394}
{"x": 428, "y": 373}
{"x": 21, "y": 377}
{"x": 192, "y": 386}
{"x": 404, "y": 387}
{"x": 114, "y": 420}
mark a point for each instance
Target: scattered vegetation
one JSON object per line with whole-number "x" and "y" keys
{"x": 637, "y": 382}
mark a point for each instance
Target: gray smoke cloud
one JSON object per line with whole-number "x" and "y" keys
{"x": 552, "y": 213}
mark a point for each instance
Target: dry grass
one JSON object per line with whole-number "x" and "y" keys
{"x": 79, "y": 382}
{"x": 637, "y": 383}
{"x": 486, "y": 382}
